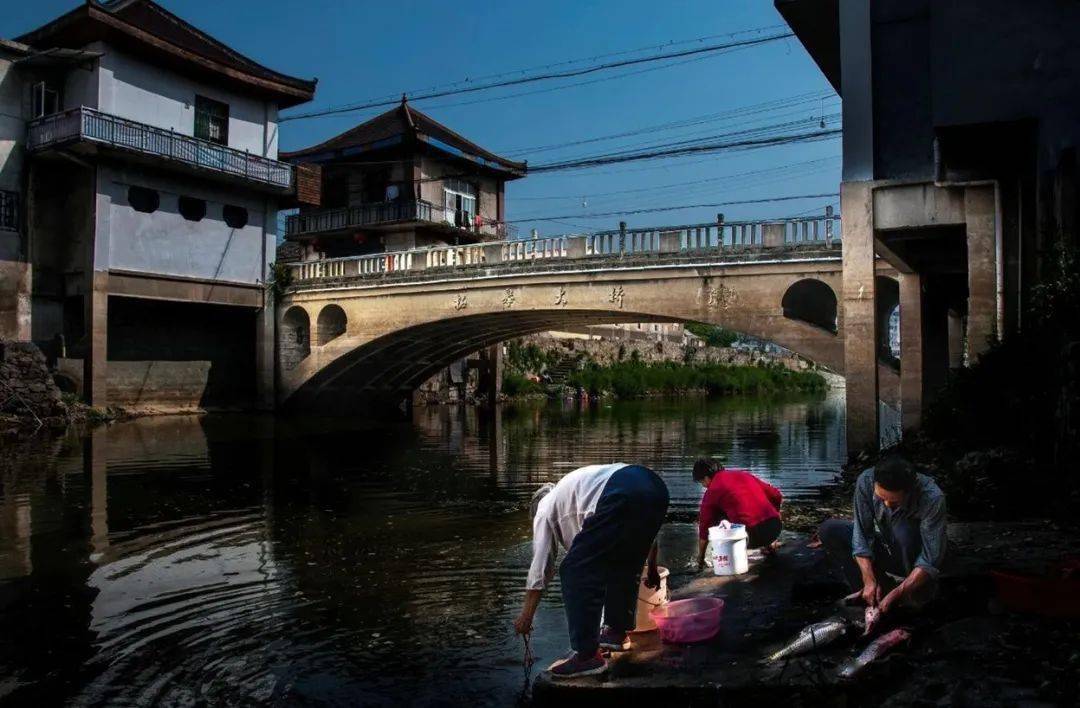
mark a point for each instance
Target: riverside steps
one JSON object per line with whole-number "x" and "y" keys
{"x": 954, "y": 642}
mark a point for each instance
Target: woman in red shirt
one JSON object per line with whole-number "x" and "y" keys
{"x": 741, "y": 498}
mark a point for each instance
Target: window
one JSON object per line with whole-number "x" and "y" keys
{"x": 46, "y": 99}
{"x": 192, "y": 209}
{"x": 211, "y": 120}
{"x": 460, "y": 202}
{"x": 142, "y": 199}
{"x": 235, "y": 217}
{"x": 9, "y": 211}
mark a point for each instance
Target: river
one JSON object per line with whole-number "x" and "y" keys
{"x": 235, "y": 559}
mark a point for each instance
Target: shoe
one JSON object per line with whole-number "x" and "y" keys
{"x": 613, "y": 640}
{"x": 575, "y": 666}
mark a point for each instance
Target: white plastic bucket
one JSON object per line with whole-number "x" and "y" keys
{"x": 649, "y": 599}
{"x": 729, "y": 550}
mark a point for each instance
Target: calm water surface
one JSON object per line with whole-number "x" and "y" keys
{"x": 242, "y": 559}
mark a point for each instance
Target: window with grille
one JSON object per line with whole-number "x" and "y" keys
{"x": 460, "y": 202}
{"x": 9, "y": 211}
{"x": 211, "y": 120}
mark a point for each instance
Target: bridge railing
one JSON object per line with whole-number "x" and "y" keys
{"x": 691, "y": 238}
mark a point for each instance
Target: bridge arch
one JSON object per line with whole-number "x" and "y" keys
{"x": 401, "y": 330}
{"x": 812, "y": 301}
{"x": 331, "y": 324}
{"x": 294, "y": 340}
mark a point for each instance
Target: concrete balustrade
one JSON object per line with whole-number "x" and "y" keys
{"x": 771, "y": 235}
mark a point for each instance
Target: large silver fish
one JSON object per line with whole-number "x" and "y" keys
{"x": 812, "y": 637}
{"x": 872, "y": 615}
{"x": 873, "y": 651}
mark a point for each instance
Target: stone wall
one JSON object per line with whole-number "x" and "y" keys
{"x": 26, "y": 387}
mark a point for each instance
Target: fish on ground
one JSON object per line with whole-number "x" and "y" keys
{"x": 873, "y": 614}
{"x": 812, "y": 638}
{"x": 874, "y": 651}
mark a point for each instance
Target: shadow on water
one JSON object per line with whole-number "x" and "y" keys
{"x": 238, "y": 559}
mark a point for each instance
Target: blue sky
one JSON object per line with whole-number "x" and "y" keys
{"x": 365, "y": 50}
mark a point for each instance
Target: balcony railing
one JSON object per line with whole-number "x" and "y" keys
{"x": 379, "y": 213}
{"x": 91, "y": 125}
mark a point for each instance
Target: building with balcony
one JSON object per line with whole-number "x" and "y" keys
{"x": 399, "y": 181}
{"x": 153, "y": 185}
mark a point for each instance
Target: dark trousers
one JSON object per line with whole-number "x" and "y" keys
{"x": 602, "y": 569}
{"x": 896, "y": 556}
{"x": 761, "y": 535}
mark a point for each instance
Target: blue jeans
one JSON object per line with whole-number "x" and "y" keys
{"x": 602, "y": 569}
{"x": 896, "y": 556}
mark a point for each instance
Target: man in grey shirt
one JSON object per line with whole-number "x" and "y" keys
{"x": 892, "y": 552}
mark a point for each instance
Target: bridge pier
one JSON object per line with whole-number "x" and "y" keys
{"x": 491, "y": 375}
{"x": 860, "y": 316}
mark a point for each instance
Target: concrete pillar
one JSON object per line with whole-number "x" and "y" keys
{"x": 860, "y": 327}
{"x": 773, "y": 236}
{"x": 911, "y": 351}
{"x": 15, "y": 298}
{"x": 956, "y": 339}
{"x": 95, "y": 362}
{"x": 670, "y": 241}
{"x": 979, "y": 208}
{"x": 491, "y": 374}
{"x": 265, "y": 339}
{"x": 575, "y": 247}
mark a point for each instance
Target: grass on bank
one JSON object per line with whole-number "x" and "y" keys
{"x": 634, "y": 379}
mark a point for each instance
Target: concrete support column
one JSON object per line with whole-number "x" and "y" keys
{"x": 860, "y": 327}
{"x": 95, "y": 362}
{"x": 911, "y": 351}
{"x": 264, "y": 356}
{"x": 979, "y": 208}
{"x": 491, "y": 382}
{"x": 956, "y": 340}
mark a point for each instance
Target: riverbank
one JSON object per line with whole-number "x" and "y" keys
{"x": 965, "y": 648}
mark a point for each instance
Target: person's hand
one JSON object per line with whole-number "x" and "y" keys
{"x": 890, "y": 600}
{"x": 523, "y": 624}
{"x": 871, "y": 593}
{"x": 652, "y": 578}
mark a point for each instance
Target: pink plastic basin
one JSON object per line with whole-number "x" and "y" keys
{"x": 687, "y": 621}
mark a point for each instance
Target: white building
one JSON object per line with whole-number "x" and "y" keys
{"x": 154, "y": 186}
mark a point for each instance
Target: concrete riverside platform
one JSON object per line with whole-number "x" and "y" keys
{"x": 766, "y": 607}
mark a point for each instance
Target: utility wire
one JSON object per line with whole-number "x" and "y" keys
{"x": 753, "y": 143}
{"x": 595, "y": 57}
{"x": 547, "y": 76}
{"x": 653, "y": 210}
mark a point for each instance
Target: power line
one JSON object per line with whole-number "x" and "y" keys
{"x": 569, "y": 73}
{"x": 685, "y": 150}
{"x": 742, "y": 111}
{"x": 658, "y": 187}
{"x": 652, "y": 210}
{"x": 595, "y": 57}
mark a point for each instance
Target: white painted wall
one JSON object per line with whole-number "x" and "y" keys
{"x": 164, "y": 242}
{"x": 130, "y": 88}
{"x": 12, "y": 122}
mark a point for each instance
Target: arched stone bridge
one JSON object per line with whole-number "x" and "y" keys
{"x": 375, "y": 327}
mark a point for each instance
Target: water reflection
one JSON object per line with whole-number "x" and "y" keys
{"x": 241, "y": 559}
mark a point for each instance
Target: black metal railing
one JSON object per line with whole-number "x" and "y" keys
{"x": 92, "y": 125}
{"x": 377, "y": 213}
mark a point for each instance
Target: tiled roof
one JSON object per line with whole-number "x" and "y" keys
{"x": 404, "y": 120}
{"x": 148, "y": 26}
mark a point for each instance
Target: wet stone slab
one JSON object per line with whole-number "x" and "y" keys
{"x": 766, "y": 608}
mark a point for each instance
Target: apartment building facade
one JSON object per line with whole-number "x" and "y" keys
{"x": 152, "y": 185}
